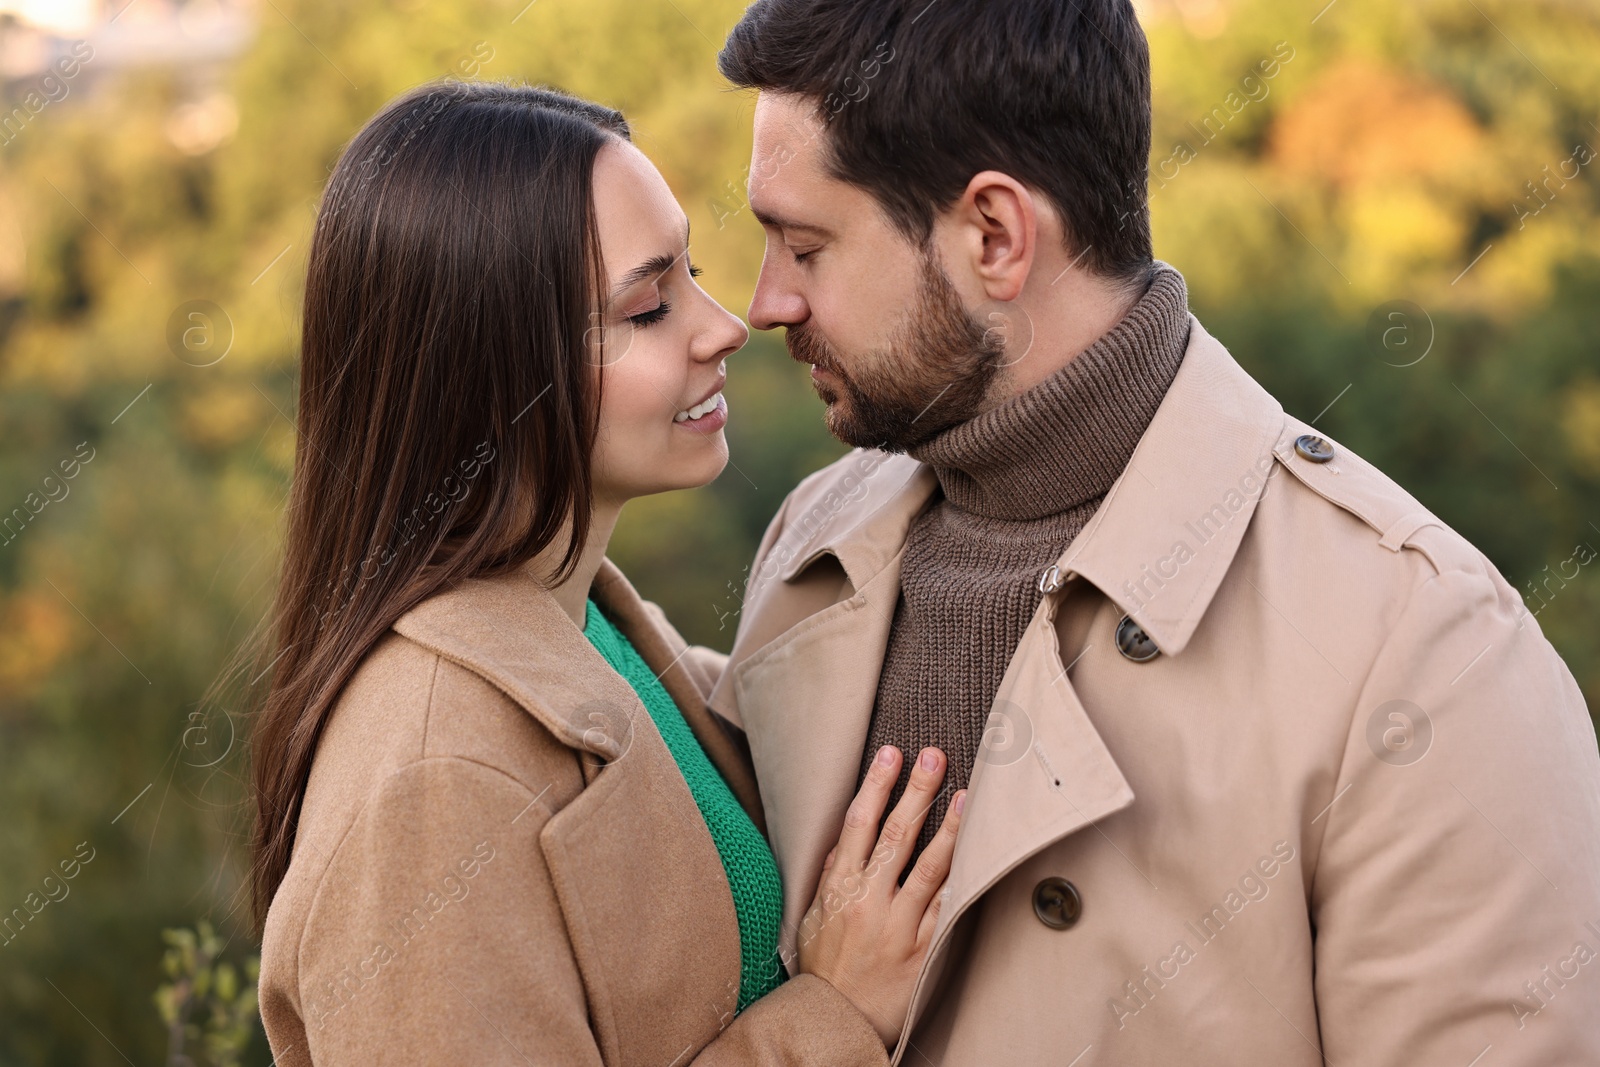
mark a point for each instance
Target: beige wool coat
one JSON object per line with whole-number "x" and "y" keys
{"x": 1327, "y": 796}
{"x": 499, "y": 862}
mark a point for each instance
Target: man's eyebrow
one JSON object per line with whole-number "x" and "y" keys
{"x": 768, "y": 218}
{"x": 657, "y": 264}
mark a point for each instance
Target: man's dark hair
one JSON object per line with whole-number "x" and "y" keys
{"x": 919, "y": 96}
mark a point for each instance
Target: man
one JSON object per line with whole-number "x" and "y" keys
{"x": 1267, "y": 765}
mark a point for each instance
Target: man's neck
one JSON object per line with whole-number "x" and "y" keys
{"x": 1061, "y": 313}
{"x": 1066, "y": 439}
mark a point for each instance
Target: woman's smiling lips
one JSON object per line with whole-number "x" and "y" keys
{"x": 711, "y": 421}
{"x": 707, "y": 415}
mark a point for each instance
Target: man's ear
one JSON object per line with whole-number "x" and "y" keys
{"x": 996, "y": 229}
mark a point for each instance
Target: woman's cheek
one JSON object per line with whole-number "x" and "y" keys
{"x": 634, "y": 408}
{"x": 663, "y": 380}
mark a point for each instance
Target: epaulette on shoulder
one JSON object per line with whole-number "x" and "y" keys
{"x": 1344, "y": 479}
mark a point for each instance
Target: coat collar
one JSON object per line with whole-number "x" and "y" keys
{"x": 510, "y": 630}
{"x": 868, "y": 533}
{"x": 1165, "y": 534}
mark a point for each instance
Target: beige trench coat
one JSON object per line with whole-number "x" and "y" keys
{"x": 499, "y": 862}
{"x": 1348, "y": 813}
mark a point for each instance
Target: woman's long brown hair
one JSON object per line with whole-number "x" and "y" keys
{"x": 447, "y": 402}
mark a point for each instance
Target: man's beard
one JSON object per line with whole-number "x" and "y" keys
{"x": 935, "y": 373}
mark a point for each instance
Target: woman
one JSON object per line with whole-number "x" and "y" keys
{"x": 496, "y": 820}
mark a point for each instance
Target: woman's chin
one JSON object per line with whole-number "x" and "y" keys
{"x": 713, "y": 469}
{"x": 692, "y": 474}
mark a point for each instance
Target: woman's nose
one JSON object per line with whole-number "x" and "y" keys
{"x": 729, "y": 334}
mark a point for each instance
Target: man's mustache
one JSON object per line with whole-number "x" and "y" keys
{"x": 805, "y": 346}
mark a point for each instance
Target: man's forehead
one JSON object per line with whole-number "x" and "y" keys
{"x": 789, "y": 115}
{"x": 784, "y": 153}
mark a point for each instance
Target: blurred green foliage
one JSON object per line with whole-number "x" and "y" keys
{"x": 207, "y": 1004}
{"x": 1400, "y": 154}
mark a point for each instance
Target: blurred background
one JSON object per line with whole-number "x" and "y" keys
{"x": 1387, "y": 211}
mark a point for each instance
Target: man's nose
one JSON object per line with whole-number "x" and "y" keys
{"x": 775, "y": 303}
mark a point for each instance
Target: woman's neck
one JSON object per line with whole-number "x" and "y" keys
{"x": 573, "y": 593}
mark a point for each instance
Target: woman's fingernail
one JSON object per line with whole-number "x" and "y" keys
{"x": 930, "y": 759}
{"x": 960, "y": 802}
{"x": 886, "y": 755}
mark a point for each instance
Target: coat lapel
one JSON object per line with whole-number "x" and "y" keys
{"x": 804, "y": 695}
{"x": 1051, "y": 774}
{"x": 1042, "y": 773}
{"x": 807, "y": 702}
{"x": 648, "y": 912}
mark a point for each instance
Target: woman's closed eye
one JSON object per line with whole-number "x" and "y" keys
{"x": 653, "y": 316}
{"x": 661, "y": 310}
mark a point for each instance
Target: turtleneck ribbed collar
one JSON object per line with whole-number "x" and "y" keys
{"x": 1063, "y": 442}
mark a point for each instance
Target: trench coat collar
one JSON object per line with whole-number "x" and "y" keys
{"x": 1168, "y": 530}
{"x": 1193, "y": 481}
{"x": 510, "y": 630}
{"x": 867, "y": 536}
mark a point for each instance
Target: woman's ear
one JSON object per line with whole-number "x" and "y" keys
{"x": 999, "y": 232}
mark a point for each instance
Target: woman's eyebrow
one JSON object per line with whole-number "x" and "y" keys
{"x": 649, "y": 268}
{"x": 658, "y": 264}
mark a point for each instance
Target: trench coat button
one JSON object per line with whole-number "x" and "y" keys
{"x": 1134, "y": 643}
{"x": 1314, "y": 448}
{"x": 1057, "y": 904}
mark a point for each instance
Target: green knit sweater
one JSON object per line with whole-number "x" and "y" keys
{"x": 746, "y": 857}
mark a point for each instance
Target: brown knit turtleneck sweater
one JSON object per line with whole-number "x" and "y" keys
{"x": 1016, "y": 485}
